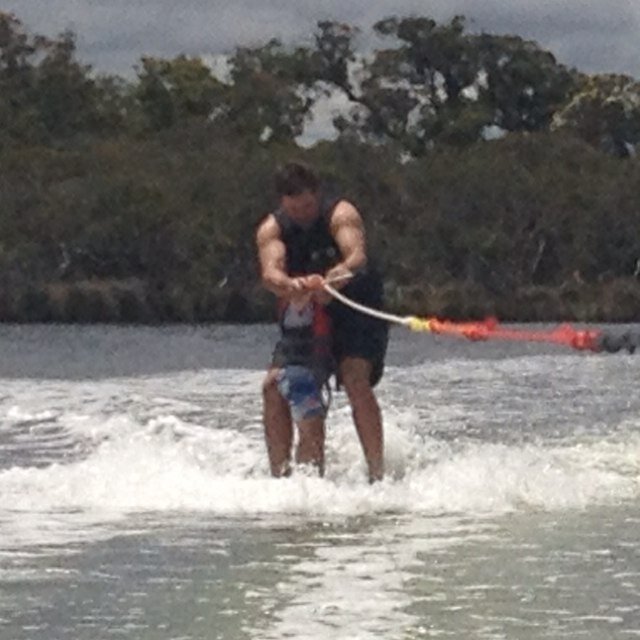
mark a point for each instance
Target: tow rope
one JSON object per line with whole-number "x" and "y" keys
{"x": 595, "y": 340}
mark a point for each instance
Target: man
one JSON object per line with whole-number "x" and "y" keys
{"x": 310, "y": 239}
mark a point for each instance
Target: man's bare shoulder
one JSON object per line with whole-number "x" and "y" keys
{"x": 345, "y": 213}
{"x": 268, "y": 230}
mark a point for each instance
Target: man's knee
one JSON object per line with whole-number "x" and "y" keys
{"x": 355, "y": 375}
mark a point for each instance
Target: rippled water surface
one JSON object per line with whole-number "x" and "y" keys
{"x": 135, "y": 500}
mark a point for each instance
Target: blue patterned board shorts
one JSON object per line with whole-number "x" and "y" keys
{"x": 298, "y": 385}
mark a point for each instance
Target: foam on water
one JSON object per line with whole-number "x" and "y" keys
{"x": 168, "y": 464}
{"x": 131, "y": 455}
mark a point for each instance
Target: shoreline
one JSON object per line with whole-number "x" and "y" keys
{"x": 134, "y": 302}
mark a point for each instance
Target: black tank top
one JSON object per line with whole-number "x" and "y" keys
{"x": 311, "y": 249}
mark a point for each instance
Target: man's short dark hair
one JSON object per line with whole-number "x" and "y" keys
{"x": 294, "y": 178}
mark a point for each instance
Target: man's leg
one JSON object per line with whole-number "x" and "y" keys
{"x": 355, "y": 375}
{"x": 310, "y": 448}
{"x": 278, "y": 429}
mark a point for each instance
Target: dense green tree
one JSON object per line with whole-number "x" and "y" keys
{"x": 437, "y": 83}
{"x": 46, "y": 95}
{"x": 605, "y": 112}
{"x": 430, "y": 76}
{"x": 265, "y": 98}
{"x": 521, "y": 83}
{"x": 18, "y": 113}
{"x": 170, "y": 91}
{"x": 65, "y": 95}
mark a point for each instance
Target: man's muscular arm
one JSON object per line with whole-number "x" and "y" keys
{"x": 347, "y": 230}
{"x": 272, "y": 258}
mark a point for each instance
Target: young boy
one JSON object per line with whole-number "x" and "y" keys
{"x": 304, "y": 363}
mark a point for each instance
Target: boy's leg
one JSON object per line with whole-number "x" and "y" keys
{"x": 278, "y": 429}
{"x": 299, "y": 386}
{"x": 311, "y": 437}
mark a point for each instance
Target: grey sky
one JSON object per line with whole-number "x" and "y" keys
{"x": 596, "y": 36}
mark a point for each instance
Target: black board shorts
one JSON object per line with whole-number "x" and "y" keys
{"x": 356, "y": 334}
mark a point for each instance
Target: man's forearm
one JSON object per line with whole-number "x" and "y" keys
{"x": 339, "y": 275}
{"x": 353, "y": 259}
{"x": 354, "y": 262}
{"x": 280, "y": 284}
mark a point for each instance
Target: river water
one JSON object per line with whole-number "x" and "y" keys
{"x": 135, "y": 501}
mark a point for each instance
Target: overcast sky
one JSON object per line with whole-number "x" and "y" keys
{"x": 596, "y": 36}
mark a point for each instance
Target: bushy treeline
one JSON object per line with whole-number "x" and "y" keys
{"x": 136, "y": 200}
